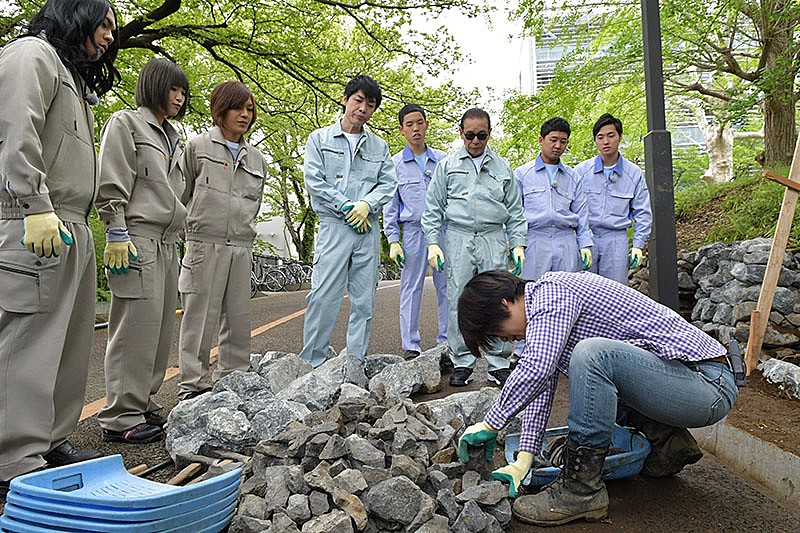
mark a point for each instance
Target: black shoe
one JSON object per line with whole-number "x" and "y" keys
{"x": 410, "y": 354}
{"x": 445, "y": 363}
{"x": 154, "y": 419}
{"x": 139, "y": 434}
{"x": 67, "y": 454}
{"x": 191, "y": 395}
{"x": 499, "y": 376}
{"x": 461, "y": 376}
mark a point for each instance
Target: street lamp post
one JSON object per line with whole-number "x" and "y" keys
{"x": 662, "y": 252}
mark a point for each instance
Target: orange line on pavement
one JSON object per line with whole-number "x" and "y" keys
{"x": 92, "y": 408}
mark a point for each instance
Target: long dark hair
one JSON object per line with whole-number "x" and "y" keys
{"x": 67, "y": 24}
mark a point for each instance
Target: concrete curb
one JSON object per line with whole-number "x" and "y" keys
{"x": 763, "y": 462}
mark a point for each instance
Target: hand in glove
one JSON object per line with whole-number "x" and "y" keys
{"x": 363, "y": 227}
{"x": 396, "y": 253}
{"x": 356, "y": 213}
{"x": 586, "y": 257}
{"x": 42, "y": 234}
{"x": 435, "y": 257}
{"x": 480, "y": 434}
{"x": 117, "y": 256}
{"x": 634, "y": 257}
{"x": 514, "y": 473}
{"x": 517, "y": 256}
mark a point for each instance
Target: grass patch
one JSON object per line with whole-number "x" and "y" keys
{"x": 745, "y": 208}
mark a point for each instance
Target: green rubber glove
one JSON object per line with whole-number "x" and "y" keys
{"x": 435, "y": 257}
{"x": 586, "y": 258}
{"x": 517, "y": 257}
{"x": 396, "y": 253}
{"x": 514, "y": 473}
{"x": 634, "y": 258}
{"x": 43, "y": 233}
{"x": 480, "y": 434}
{"x": 117, "y": 256}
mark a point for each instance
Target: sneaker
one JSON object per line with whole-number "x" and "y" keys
{"x": 410, "y": 354}
{"x": 140, "y": 434}
{"x": 154, "y": 419}
{"x": 67, "y": 454}
{"x": 461, "y": 376}
{"x": 499, "y": 376}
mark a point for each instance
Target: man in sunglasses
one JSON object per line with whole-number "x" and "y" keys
{"x": 473, "y": 191}
{"x": 555, "y": 206}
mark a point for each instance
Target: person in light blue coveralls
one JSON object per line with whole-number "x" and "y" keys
{"x": 617, "y": 195}
{"x": 555, "y": 206}
{"x": 474, "y": 192}
{"x": 414, "y": 165}
{"x": 349, "y": 176}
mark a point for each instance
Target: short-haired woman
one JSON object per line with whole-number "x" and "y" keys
{"x": 140, "y": 206}
{"x": 49, "y": 78}
{"x": 224, "y": 184}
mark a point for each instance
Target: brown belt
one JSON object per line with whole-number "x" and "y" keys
{"x": 720, "y": 359}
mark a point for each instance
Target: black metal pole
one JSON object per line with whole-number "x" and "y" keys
{"x": 663, "y": 249}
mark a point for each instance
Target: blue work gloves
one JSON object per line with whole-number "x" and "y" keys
{"x": 117, "y": 256}
{"x": 514, "y": 473}
{"x": 356, "y": 216}
{"x": 435, "y": 257}
{"x": 480, "y": 434}
{"x": 586, "y": 258}
{"x": 517, "y": 256}
{"x": 396, "y": 254}
{"x": 634, "y": 258}
{"x": 43, "y": 233}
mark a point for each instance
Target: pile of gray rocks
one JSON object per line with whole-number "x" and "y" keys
{"x": 343, "y": 448}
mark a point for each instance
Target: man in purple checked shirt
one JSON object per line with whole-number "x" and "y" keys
{"x": 629, "y": 359}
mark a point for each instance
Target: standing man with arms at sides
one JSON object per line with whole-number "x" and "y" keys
{"x": 224, "y": 184}
{"x": 555, "y": 207}
{"x": 617, "y": 195}
{"x": 473, "y": 191}
{"x": 139, "y": 201}
{"x": 629, "y": 359}
{"x": 48, "y": 80}
{"x": 349, "y": 176}
{"x": 414, "y": 165}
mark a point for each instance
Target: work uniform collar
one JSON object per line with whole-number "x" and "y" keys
{"x": 539, "y": 164}
{"x": 152, "y": 119}
{"x": 338, "y": 131}
{"x": 408, "y": 155}
{"x": 216, "y": 136}
{"x": 598, "y": 165}
{"x": 463, "y": 154}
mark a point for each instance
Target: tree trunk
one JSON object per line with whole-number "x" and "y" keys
{"x": 776, "y": 80}
{"x": 718, "y": 139}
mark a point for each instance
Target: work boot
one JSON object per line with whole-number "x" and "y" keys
{"x": 578, "y": 492}
{"x": 671, "y": 448}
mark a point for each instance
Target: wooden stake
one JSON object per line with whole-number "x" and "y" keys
{"x": 751, "y": 357}
{"x": 775, "y": 261}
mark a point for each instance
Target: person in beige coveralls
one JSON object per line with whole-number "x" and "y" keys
{"x": 140, "y": 206}
{"x": 224, "y": 183}
{"x": 48, "y": 79}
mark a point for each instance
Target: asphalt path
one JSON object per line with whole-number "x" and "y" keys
{"x": 705, "y": 497}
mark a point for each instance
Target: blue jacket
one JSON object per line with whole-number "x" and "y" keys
{"x": 615, "y": 202}
{"x": 408, "y": 202}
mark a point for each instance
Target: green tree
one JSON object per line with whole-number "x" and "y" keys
{"x": 733, "y": 54}
{"x": 296, "y": 56}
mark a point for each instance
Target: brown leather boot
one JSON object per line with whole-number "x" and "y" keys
{"x": 671, "y": 448}
{"x": 578, "y": 492}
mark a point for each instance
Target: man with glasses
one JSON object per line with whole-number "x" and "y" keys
{"x": 555, "y": 206}
{"x": 473, "y": 191}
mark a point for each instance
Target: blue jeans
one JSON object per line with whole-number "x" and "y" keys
{"x": 607, "y": 377}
